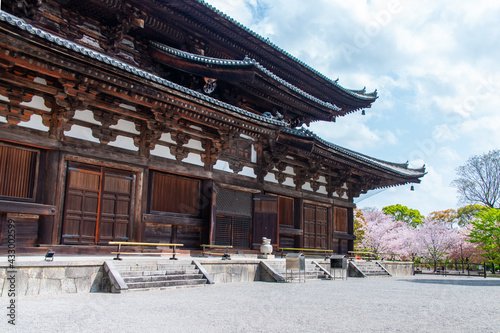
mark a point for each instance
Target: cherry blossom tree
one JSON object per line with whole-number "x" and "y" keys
{"x": 404, "y": 241}
{"x": 379, "y": 232}
{"x": 463, "y": 250}
{"x": 436, "y": 239}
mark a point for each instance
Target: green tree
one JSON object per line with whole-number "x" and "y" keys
{"x": 359, "y": 232}
{"x": 405, "y": 214}
{"x": 486, "y": 233}
{"x": 446, "y": 217}
{"x": 468, "y": 213}
{"x": 478, "y": 180}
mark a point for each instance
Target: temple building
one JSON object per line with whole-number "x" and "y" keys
{"x": 167, "y": 121}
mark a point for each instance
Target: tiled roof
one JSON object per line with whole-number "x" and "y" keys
{"x": 21, "y": 24}
{"x": 365, "y": 96}
{"x": 398, "y": 168}
{"x": 247, "y": 62}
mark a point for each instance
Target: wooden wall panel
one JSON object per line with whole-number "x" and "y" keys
{"x": 340, "y": 219}
{"x": 173, "y": 194}
{"x": 286, "y": 211}
{"x": 26, "y": 229}
{"x": 157, "y": 233}
{"x": 286, "y": 241}
{"x": 189, "y": 236}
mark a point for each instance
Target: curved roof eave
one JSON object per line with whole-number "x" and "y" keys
{"x": 62, "y": 42}
{"x": 363, "y": 96}
{"x": 247, "y": 62}
{"x": 397, "y": 168}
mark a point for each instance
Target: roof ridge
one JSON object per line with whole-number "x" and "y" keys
{"x": 245, "y": 61}
{"x": 368, "y": 96}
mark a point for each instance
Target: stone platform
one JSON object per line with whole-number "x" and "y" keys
{"x": 84, "y": 274}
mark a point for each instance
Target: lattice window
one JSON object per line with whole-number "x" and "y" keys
{"x": 223, "y": 230}
{"x": 18, "y": 172}
{"x": 241, "y": 232}
{"x": 234, "y": 203}
{"x": 233, "y": 231}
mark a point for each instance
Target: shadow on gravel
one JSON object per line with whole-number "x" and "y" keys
{"x": 458, "y": 282}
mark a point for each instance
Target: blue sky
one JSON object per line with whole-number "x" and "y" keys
{"x": 435, "y": 65}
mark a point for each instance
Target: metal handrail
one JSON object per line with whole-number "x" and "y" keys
{"x": 174, "y": 245}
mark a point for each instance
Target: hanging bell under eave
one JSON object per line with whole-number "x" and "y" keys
{"x": 412, "y": 188}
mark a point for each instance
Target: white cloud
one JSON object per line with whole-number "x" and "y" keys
{"x": 354, "y": 134}
{"x": 434, "y": 63}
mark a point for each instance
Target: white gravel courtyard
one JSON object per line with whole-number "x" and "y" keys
{"x": 425, "y": 303}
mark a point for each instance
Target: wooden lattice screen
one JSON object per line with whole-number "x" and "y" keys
{"x": 18, "y": 170}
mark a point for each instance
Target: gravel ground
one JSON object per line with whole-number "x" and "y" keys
{"x": 424, "y": 303}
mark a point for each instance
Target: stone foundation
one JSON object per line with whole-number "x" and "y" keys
{"x": 398, "y": 268}
{"x": 235, "y": 270}
{"x": 38, "y": 278}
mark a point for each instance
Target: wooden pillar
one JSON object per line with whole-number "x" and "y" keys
{"x": 350, "y": 228}
{"x": 143, "y": 185}
{"x": 206, "y": 210}
{"x": 213, "y": 212}
{"x": 48, "y": 227}
{"x": 329, "y": 228}
{"x": 299, "y": 221}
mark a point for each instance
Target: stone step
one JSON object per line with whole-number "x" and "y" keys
{"x": 372, "y": 269}
{"x": 168, "y": 287}
{"x": 125, "y": 268}
{"x": 310, "y": 275}
{"x": 152, "y": 278}
{"x": 169, "y": 283}
{"x": 163, "y": 272}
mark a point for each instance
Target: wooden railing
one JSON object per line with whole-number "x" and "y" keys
{"x": 225, "y": 255}
{"x": 119, "y": 252}
{"x": 312, "y": 252}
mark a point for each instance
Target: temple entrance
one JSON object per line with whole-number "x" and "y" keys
{"x": 315, "y": 227}
{"x": 265, "y": 219}
{"x": 97, "y": 205}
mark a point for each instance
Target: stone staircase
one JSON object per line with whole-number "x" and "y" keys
{"x": 159, "y": 274}
{"x": 369, "y": 269}
{"x": 312, "y": 271}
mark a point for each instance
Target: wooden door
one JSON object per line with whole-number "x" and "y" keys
{"x": 97, "y": 205}
{"x": 265, "y": 218}
{"x": 315, "y": 227}
{"x": 321, "y": 227}
{"x": 81, "y": 206}
{"x": 309, "y": 226}
{"x": 115, "y": 207}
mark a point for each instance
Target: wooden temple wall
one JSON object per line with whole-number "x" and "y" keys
{"x": 88, "y": 155}
{"x": 303, "y": 220}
